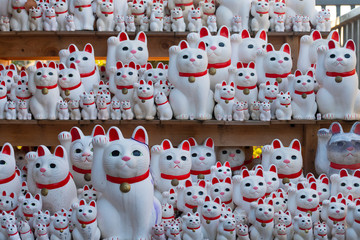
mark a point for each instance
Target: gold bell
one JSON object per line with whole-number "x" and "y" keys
{"x": 61, "y": 231}
{"x": 309, "y": 212}
{"x": 261, "y": 15}
{"x": 191, "y": 79}
{"x": 338, "y": 79}
{"x": 106, "y": 15}
{"x": 143, "y": 101}
{"x": 124, "y": 90}
{"x": 208, "y": 221}
{"x": 193, "y": 230}
{"x": 212, "y": 71}
{"x": 285, "y": 180}
{"x": 83, "y": 225}
{"x": 279, "y": 80}
{"x": 183, "y": 7}
{"x": 226, "y": 101}
{"x": 246, "y": 91}
{"x": 231, "y": 232}
{"x": 27, "y": 218}
{"x": 125, "y": 187}
{"x": 44, "y": 192}
{"x": 57, "y": 15}
{"x": 87, "y": 177}
{"x": 304, "y": 95}
{"x": 194, "y": 210}
{"x": 335, "y": 222}
{"x": 174, "y": 182}
{"x": 67, "y": 92}
{"x": 270, "y": 101}
{"x": 306, "y": 231}
{"x": 80, "y": 9}
{"x": 18, "y": 10}
{"x": 263, "y": 224}
{"x": 201, "y": 176}
{"x": 44, "y": 91}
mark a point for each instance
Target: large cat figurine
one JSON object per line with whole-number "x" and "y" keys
{"x": 338, "y": 96}
{"x": 9, "y": 177}
{"x": 218, "y": 50}
{"x": 353, "y": 220}
{"x": 337, "y": 150}
{"x": 46, "y": 94}
{"x": 191, "y": 96}
{"x": 121, "y": 174}
{"x": 261, "y": 217}
{"x": 121, "y": 48}
{"x": 70, "y": 82}
{"x": 230, "y": 8}
{"x": 83, "y": 14}
{"x": 49, "y": 175}
{"x": 85, "y": 222}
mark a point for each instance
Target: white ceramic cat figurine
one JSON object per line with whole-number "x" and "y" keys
{"x": 126, "y": 112}
{"x": 70, "y": 83}
{"x": 268, "y": 93}
{"x": 59, "y": 227}
{"x": 10, "y": 110}
{"x": 74, "y": 110}
{"x": 158, "y": 232}
{"x": 323, "y": 186}
{"x": 177, "y": 19}
{"x": 277, "y": 9}
{"x": 191, "y": 226}
{"x": 242, "y": 232}
{"x": 334, "y": 211}
{"x": 327, "y": 17}
{"x": 70, "y": 24}
{"x": 280, "y": 232}
{"x": 8, "y": 202}
{"x": 303, "y": 96}
{"x": 85, "y": 221}
{"x": 4, "y": 24}
{"x": 108, "y": 176}
{"x": 61, "y": 11}
{"x": 88, "y": 106}
{"x": 238, "y": 111}
{"x": 236, "y": 24}
{"x": 272, "y": 180}
{"x": 164, "y": 111}
{"x": 221, "y": 171}
{"x": 137, "y": 9}
{"x": 223, "y": 190}
{"x": 265, "y": 111}
{"x": 306, "y": 24}
{"x": 190, "y": 195}
{"x": 50, "y": 23}
{"x": 339, "y": 231}
{"x": 274, "y": 66}
{"x": 284, "y": 218}
{"x": 36, "y": 19}
{"x": 210, "y": 211}
{"x": 320, "y": 23}
{"x": 283, "y": 106}
{"x": 41, "y": 218}
{"x": 12, "y": 232}
{"x": 280, "y": 23}
{"x": 261, "y": 215}
{"x": 303, "y": 227}
{"x": 105, "y": 14}
{"x": 28, "y": 205}
{"x": 189, "y": 75}
{"x": 173, "y": 231}
{"x": 234, "y": 155}
{"x": 297, "y": 23}
{"x": 119, "y": 24}
{"x": 103, "y": 112}
{"x": 155, "y": 74}
{"x": 87, "y": 193}
{"x": 121, "y": 48}
{"x": 230, "y": 8}
{"x": 49, "y": 175}
{"x": 211, "y": 24}
{"x": 194, "y": 19}
{"x": 3, "y": 99}
{"x": 42, "y": 232}
{"x": 226, "y": 228}
{"x": 260, "y": 13}
{"x": 208, "y": 9}
{"x": 224, "y": 96}
{"x": 167, "y": 24}
{"x": 130, "y": 23}
{"x": 19, "y": 17}
{"x": 335, "y": 70}
{"x": 63, "y": 110}
{"x": 157, "y": 20}
{"x": 345, "y": 183}
{"x": 25, "y": 230}
{"x": 352, "y": 220}
{"x": 83, "y": 14}
{"x": 167, "y": 214}
{"x": 115, "y": 111}
{"x": 144, "y": 106}
{"x": 320, "y": 231}
{"x": 9, "y": 176}
{"x": 203, "y": 157}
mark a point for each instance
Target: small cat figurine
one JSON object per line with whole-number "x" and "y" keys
{"x": 279, "y": 200}
{"x": 269, "y": 92}
{"x": 173, "y": 231}
{"x": 130, "y": 23}
{"x": 353, "y": 219}
{"x": 224, "y": 96}
{"x": 157, "y": 20}
{"x": 177, "y": 19}
{"x": 280, "y": 232}
{"x": 8, "y": 202}
{"x": 265, "y": 111}
{"x": 105, "y": 14}
{"x": 191, "y": 226}
{"x": 42, "y": 232}
{"x": 5, "y": 24}
{"x": 277, "y": 9}
{"x": 221, "y": 171}
{"x": 260, "y": 12}
{"x": 88, "y": 106}
{"x": 238, "y": 111}
{"x": 236, "y": 24}
{"x": 306, "y": 24}
{"x": 280, "y": 23}
{"x": 297, "y": 23}
{"x": 3, "y": 99}
{"x": 70, "y": 83}
{"x": 194, "y": 20}
{"x": 28, "y": 205}
{"x": 41, "y": 218}
{"x": 261, "y": 215}
{"x": 167, "y": 214}
{"x": 158, "y": 232}
{"x": 284, "y": 218}
{"x": 223, "y": 190}
{"x": 63, "y": 110}
{"x": 226, "y": 228}
{"x": 137, "y": 9}
{"x": 144, "y": 24}
{"x": 103, "y": 112}
{"x": 84, "y": 18}
{"x": 155, "y": 74}
{"x": 190, "y": 195}
{"x": 322, "y": 186}
{"x": 242, "y": 232}
{"x": 12, "y": 232}
{"x": 144, "y": 107}
{"x": 74, "y": 107}
{"x": 339, "y": 231}
{"x": 36, "y": 19}
{"x": 320, "y": 231}
{"x": 164, "y": 110}
{"x": 303, "y": 227}
{"x": 59, "y": 227}
{"x": 50, "y": 23}
{"x": 283, "y": 106}
{"x": 346, "y": 183}
{"x": 9, "y": 174}
{"x": 61, "y": 11}
{"x": 162, "y": 86}
{"x": 19, "y": 20}
{"x": 85, "y": 221}
{"x": 271, "y": 179}
{"x": 334, "y": 211}
{"x": 126, "y": 112}
{"x": 115, "y": 110}
{"x": 211, "y": 24}
{"x": 25, "y": 230}
{"x": 320, "y": 23}
{"x": 208, "y": 10}
{"x": 326, "y": 13}
{"x": 167, "y": 24}
{"x": 120, "y": 24}
{"x": 87, "y": 193}
{"x": 70, "y": 24}
{"x": 210, "y": 211}
{"x": 10, "y": 110}
{"x": 203, "y": 157}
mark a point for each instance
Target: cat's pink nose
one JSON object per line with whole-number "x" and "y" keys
{"x": 77, "y": 61}
{"x": 266, "y": 213}
{"x": 44, "y": 76}
{"x": 269, "y": 183}
{"x": 192, "y": 59}
{"x": 247, "y": 77}
{"x": 155, "y": 77}
{"x": 304, "y": 83}
{"x": 133, "y": 51}
{"x": 222, "y": 193}
{"x": 194, "y": 197}
{"x": 86, "y": 154}
{"x": 350, "y": 148}
{"x": 286, "y": 161}
{"x": 319, "y": 193}
{"x": 309, "y": 200}
{"x": 84, "y": 214}
{"x": 337, "y": 211}
{"x": 213, "y": 48}
{"x": 42, "y": 170}
{"x": 124, "y": 76}
{"x": 232, "y": 155}
{"x": 280, "y": 61}
{"x": 126, "y": 158}
{"x": 202, "y": 158}
{"x": 209, "y": 209}
{"x": 339, "y": 59}
{"x": 349, "y": 188}
{"x": 255, "y": 188}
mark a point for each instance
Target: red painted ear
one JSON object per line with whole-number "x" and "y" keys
{"x": 286, "y": 48}
{"x": 273, "y": 168}
{"x": 40, "y": 151}
{"x": 4, "y": 193}
{"x": 23, "y": 74}
{"x": 184, "y": 45}
{"x": 123, "y": 36}
{"x": 148, "y": 66}
{"x": 224, "y": 31}
{"x": 269, "y": 47}
{"x": 336, "y": 128}
{"x": 340, "y": 195}
{"x": 316, "y": 35}
{"x": 310, "y": 73}
{"x": 56, "y": 215}
{"x": 113, "y": 134}
{"x": 24, "y": 184}
{"x": 281, "y": 195}
{"x": 251, "y": 65}
{"x": 355, "y": 128}
{"x": 350, "y": 197}
{"x": 207, "y": 199}
{"x": 166, "y": 144}
{"x": 89, "y": 48}
{"x": 223, "y": 83}
{"x": 217, "y": 200}
{"x": 28, "y": 195}
{"x": 72, "y": 48}
{"x": 188, "y": 214}
{"x": 98, "y": 130}
{"x": 132, "y": 65}
{"x": 39, "y": 65}
{"x": 12, "y": 195}
{"x": 296, "y": 145}
{"x": 119, "y": 65}
{"x": 232, "y": 84}
{"x": 202, "y": 46}
{"x": 298, "y": 73}
{"x": 239, "y": 65}
{"x": 6, "y": 149}
{"x": 312, "y": 180}
{"x": 245, "y": 34}
{"x": 332, "y": 44}
{"x": 75, "y": 134}
{"x": 52, "y": 65}
{"x": 357, "y": 173}
{"x": 141, "y": 37}
{"x": 276, "y": 144}
{"x": 60, "y": 151}
{"x": 202, "y": 183}
{"x": 335, "y": 36}
{"x": 160, "y": 65}
{"x": 260, "y": 201}
{"x": 86, "y": 187}
{"x": 259, "y": 172}
{"x": 343, "y": 201}
{"x": 92, "y": 203}
{"x": 273, "y": 195}
{"x": 2, "y": 68}
{"x": 350, "y": 44}
{"x": 37, "y": 197}
{"x": 172, "y": 191}
{"x": 185, "y": 146}
{"x": 263, "y": 35}
{"x": 227, "y": 164}
{"x": 270, "y": 202}
{"x": 268, "y": 83}
{"x": 228, "y": 180}
{"x": 214, "y": 181}
{"x": 204, "y": 32}
{"x": 188, "y": 183}
{"x": 218, "y": 164}
{"x": 325, "y": 180}
{"x": 150, "y": 83}
{"x": 300, "y": 186}
{"x": 313, "y": 186}
{"x": 82, "y": 202}
{"x": 276, "y": 84}
{"x": 192, "y": 141}
{"x": 245, "y": 173}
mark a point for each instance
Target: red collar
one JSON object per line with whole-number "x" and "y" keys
{"x": 251, "y": 199}
{"x": 196, "y": 172}
{"x": 59, "y": 229}
{"x": 80, "y": 170}
{"x": 340, "y": 166}
{"x": 13, "y": 234}
{"x": 308, "y": 209}
{"x": 88, "y": 104}
{"x": 6, "y": 180}
{"x": 48, "y": 87}
{"x": 61, "y": 12}
{"x": 289, "y": 225}
{"x": 159, "y": 104}
{"x": 304, "y": 229}
{"x": 336, "y": 219}
{"x": 290, "y": 176}
{"x": 125, "y": 108}
{"x": 199, "y": 74}
{"x": 274, "y": 75}
{"x": 357, "y": 221}
{"x": 131, "y": 180}
{"x": 35, "y": 17}
{"x": 211, "y": 218}
{"x": 175, "y": 234}
{"x": 122, "y": 87}
{"x": 71, "y": 88}
{"x": 322, "y": 235}
{"x": 42, "y": 234}
{"x": 50, "y": 17}
{"x": 184, "y": 4}
{"x": 26, "y": 232}
{"x": 229, "y": 230}
{"x": 3, "y": 97}
{"x": 146, "y": 98}
{"x": 87, "y": 223}
{"x": 11, "y": 108}
{"x": 264, "y": 221}
{"x": 229, "y": 99}
{"x": 83, "y": 6}
{"x": 23, "y": 98}
{"x": 172, "y": 217}
{"x": 159, "y": 18}
{"x": 270, "y": 98}
{"x": 300, "y": 93}
{"x": 179, "y": 177}
{"x": 178, "y": 17}
{"x": 262, "y": 12}
{"x": 193, "y": 228}
{"x": 15, "y": 8}
{"x": 227, "y": 202}
{"x": 107, "y": 13}
{"x": 190, "y": 206}
{"x": 103, "y": 108}
{"x": 84, "y": 75}
{"x": 237, "y": 168}
{"x": 343, "y": 74}
{"x": 244, "y": 87}
{"x": 279, "y": 13}
{"x": 196, "y": 17}
{"x": 55, "y": 185}
{"x": 27, "y": 215}
{"x": 209, "y": 14}
{"x": 219, "y": 65}
{"x": 285, "y": 104}
{"x": 13, "y": 210}
{"x": 138, "y": 14}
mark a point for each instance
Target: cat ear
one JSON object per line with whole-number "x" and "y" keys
{"x": 332, "y": 44}
{"x": 141, "y": 36}
{"x": 183, "y": 45}
{"x": 311, "y": 180}
{"x": 188, "y": 183}
{"x": 217, "y": 200}
{"x": 7, "y": 149}
{"x": 207, "y": 198}
{"x": 357, "y": 202}
{"x": 295, "y": 144}
{"x": 42, "y": 150}
{"x": 316, "y": 35}
{"x": 37, "y": 197}
{"x": 260, "y": 201}
{"x": 166, "y": 144}
{"x": 228, "y": 180}
{"x": 262, "y": 35}
{"x": 270, "y": 202}
{"x": 72, "y": 48}
{"x": 276, "y": 84}
{"x": 336, "y": 128}
{"x": 224, "y": 31}
{"x": 245, "y": 34}
{"x": 239, "y": 65}
{"x": 300, "y": 186}
{"x": 150, "y": 83}
{"x": 39, "y": 65}
{"x": 334, "y": 35}
{"x": 350, "y": 44}
{"x": 172, "y": 191}
{"x": 52, "y": 65}
{"x": 119, "y": 65}
{"x": 28, "y": 195}
{"x": 89, "y": 48}
{"x": 339, "y": 196}
{"x": 204, "y": 32}
{"x": 298, "y": 73}
{"x": 286, "y": 48}
{"x": 269, "y": 47}
{"x": 355, "y": 128}
{"x": 192, "y": 141}
{"x": 214, "y": 181}
{"x": 313, "y": 186}
{"x": 202, "y": 183}
{"x": 82, "y": 202}
{"x": 277, "y": 144}
{"x": 114, "y": 134}
{"x": 160, "y": 65}
{"x": 223, "y": 83}
{"x": 86, "y": 188}
{"x": 140, "y": 135}
{"x": 76, "y": 134}
{"x": 251, "y": 65}
{"x": 98, "y": 130}
{"x": 132, "y": 65}
{"x": 245, "y": 173}
{"x": 343, "y": 201}
{"x": 218, "y": 164}
{"x": 273, "y": 168}
{"x": 92, "y": 203}
{"x": 310, "y": 73}
{"x": 185, "y": 145}
{"x": 259, "y": 172}
{"x": 202, "y": 46}
{"x": 61, "y": 66}
{"x": 357, "y": 173}
{"x": 325, "y": 180}
{"x": 148, "y": 66}
{"x": 232, "y": 84}
{"x": 343, "y": 173}
{"x": 227, "y": 164}
{"x": 60, "y": 151}
{"x": 123, "y": 36}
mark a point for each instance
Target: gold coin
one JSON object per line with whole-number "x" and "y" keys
{"x": 270, "y": 101}
{"x": 87, "y": 177}
{"x": 304, "y": 95}
{"x": 261, "y": 15}
{"x": 208, "y": 221}
{"x": 83, "y": 225}
{"x": 212, "y": 71}
{"x": 57, "y": 15}
{"x": 67, "y": 92}
{"x": 279, "y": 80}
{"x": 106, "y": 15}
{"x": 246, "y": 91}
{"x": 80, "y": 9}
{"x": 18, "y": 10}
{"x": 124, "y": 91}
{"x": 335, "y": 222}
{"x": 338, "y": 79}
{"x": 231, "y": 232}
{"x": 191, "y": 79}
{"x": 285, "y": 180}
{"x": 263, "y": 224}
{"x": 201, "y": 176}
{"x": 44, "y": 192}
{"x": 125, "y": 187}
{"x": 44, "y": 91}
{"x": 174, "y": 182}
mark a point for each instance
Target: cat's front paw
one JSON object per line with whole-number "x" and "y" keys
{"x": 324, "y": 133}
{"x": 100, "y": 141}
{"x": 180, "y": 188}
{"x": 112, "y": 70}
{"x": 291, "y": 77}
{"x": 306, "y": 39}
{"x": 64, "y": 136}
{"x": 156, "y": 149}
{"x": 334, "y": 178}
{"x": 236, "y": 38}
{"x": 32, "y": 69}
{"x": 253, "y": 204}
{"x": 351, "y": 116}
{"x": 322, "y": 49}
{"x": 31, "y": 156}
{"x": 64, "y": 53}
{"x": 112, "y": 41}
{"x": 328, "y": 116}
{"x": 237, "y": 179}
{"x": 174, "y": 49}
{"x": 267, "y": 149}
{"x": 192, "y": 37}
{"x": 260, "y": 52}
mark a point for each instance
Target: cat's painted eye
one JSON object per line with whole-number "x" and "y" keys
{"x": 309, "y": 81}
{"x": 115, "y": 153}
{"x": 343, "y": 184}
{"x": 224, "y": 152}
{"x": 228, "y": 169}
{"x": 278, "y": 157}
{"x": 38, "y": 73}
{"x": 216, "y": 190}
{"x": 298, "y": 81}
{"x": 224, "y": 89}
{"x": 85, "y": 194}
{"x": 90, "y": 211}
{"x": 220, "y": 170}
{"x": 293, "y": 157}
{"x": 2, "y": 162}
{"x": 356, "y": 185}
{"x": 72, "y": 59}
{"x": 302, "y": 196}
{"x": 25, "y": 203}
{"x": 51, "y": 73}
{"x": 53, "y": 165}
{"x": 272, "y": 59}
{"x": 240, "y": 74}
{"x": 172, "y": 198}
{"x": 261, "y": 183}
{"x": 221, "y": 44}
{"x": 227, "y": 189}
{"x": 214, "y": 207}
{"x": 342, "y": 208}
{"x": 160, "y": 74}
{"x": 314, "y": 195}
{"x": 286, "y": 58}
{"x": 324, "y": 190}
{"x": 71, "y": 75}
{"x": 78, "y": 150}
{"x": 206, "y": 44}
{"x": 201, "y": 193}
{"x": 199, "y": 56}
{"x": 194, "y": 155}
{"x": 252, "y": 74}
{"x": 169, "y": 157}
{"x": 260, "y": 209}
{"x": 80, "y": 210}
{"x": 136, "y": 153}
{"x": 185, "y": 57}
{"x": 332, "y": 55}
{"x": 208, "y": 154}
{"x": 247, "y": 184}
{"x": 340, "y": 144}
{"x": 60, "y": 76}
{"x": 273, "y": 179}
{"x": 37, "y": 165}
{"x": 189, "y": 194}
{"x": 125, "y": 48}
{"x": 347, "y": 55}
{"x": 118, "y": 73}
{"x": 183, "y": 158}
{"x": 268, "y": 89}
{"x": 33, "y": 204}
{"x": 250, "y": 46}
